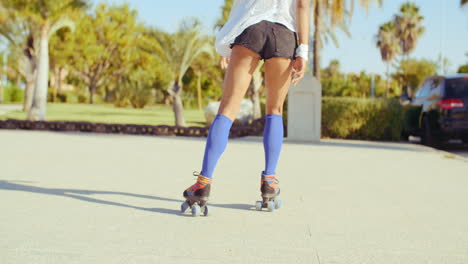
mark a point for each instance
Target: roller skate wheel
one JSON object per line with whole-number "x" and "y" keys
{"x": 277, "y": 204}
{"x": 271, "y": 206}
{"x": 196, "y": 210}
{"x": 258, "y": 205}
{"x": 205, "y": 210}
{"x": 184, "y": 207}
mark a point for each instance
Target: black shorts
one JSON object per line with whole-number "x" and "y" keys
{"x": 268, "y": 39}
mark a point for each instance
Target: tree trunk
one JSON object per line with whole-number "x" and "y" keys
{"x": 3, "y": 76}
{"x": 199, "y": 96}
{"x": 28, "y": 92}
{"x": 178, "y": 107}
{"x": 387, "y": 83}
{"x": 91, "y": 94}
{"x": 39, "y": 102}
{"x": 1, "y": 89}
{"x": 317, "y": 43}
{"x": 55, "y": 84}
{"x": 59, "y": 81}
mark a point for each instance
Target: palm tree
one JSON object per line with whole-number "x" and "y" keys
{"x": 49, "y": 16}
{"x": 18, "y": 31}
{"x": 337, "y": 12}
{"x": 178, "y": 51}
{"x": 226, "y": 10}
{"x": 409, "y": 27}
{"x": 387, "y": 42}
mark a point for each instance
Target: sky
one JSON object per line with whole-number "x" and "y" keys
{"x": 446, "y": 29}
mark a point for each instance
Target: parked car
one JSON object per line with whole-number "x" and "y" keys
{"x": 439, "y": 110}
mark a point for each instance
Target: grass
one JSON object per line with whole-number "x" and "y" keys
{"x": 104, "y": 113}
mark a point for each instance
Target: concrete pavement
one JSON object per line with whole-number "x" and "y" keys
{"x": 5, "y": 108}
{"x": 91, "y": 198}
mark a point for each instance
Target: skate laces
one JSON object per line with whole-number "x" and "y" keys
{"x": 201, "y": 179}
{"x": 271, "y": 180}
{"x": 201, "y": 183}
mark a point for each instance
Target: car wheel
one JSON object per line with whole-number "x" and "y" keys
{"x": 404, "y": 136}
{"x": 428, "y": 137}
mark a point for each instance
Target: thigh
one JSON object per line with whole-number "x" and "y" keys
{"x": 277, "y": 82}
{"x": 242, "y": 65}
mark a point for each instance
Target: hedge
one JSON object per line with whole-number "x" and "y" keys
{"x": 359, "y": 118}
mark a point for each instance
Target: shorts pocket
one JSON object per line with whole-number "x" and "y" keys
{"x": 284, "y": 40}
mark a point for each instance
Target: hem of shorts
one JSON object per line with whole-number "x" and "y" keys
{"x": 275, "y": 56}
{"x": 245, "y": 45}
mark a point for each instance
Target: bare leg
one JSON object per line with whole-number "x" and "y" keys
{"x": 239, "y": 74}
{"x": 277, "y": 81}
{"x": 238, "y": 77}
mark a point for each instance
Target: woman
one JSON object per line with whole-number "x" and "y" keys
{"x": 276, "y": 31}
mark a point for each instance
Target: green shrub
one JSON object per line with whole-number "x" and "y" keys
{"x": 13, "y": 94}
{"x": 356, "y": 118}
{"x": 82, "y": 99}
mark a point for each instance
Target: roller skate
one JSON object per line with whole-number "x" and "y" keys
{"x": 270, "y": 191}
{"x": 197, "y": 195}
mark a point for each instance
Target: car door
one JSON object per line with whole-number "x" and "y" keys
{"x": 430, "y": 108}
{"x": 414, "y": 109}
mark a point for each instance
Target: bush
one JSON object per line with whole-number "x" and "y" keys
{"x": 358, "y": 118}
{"x": 82, "y": 99}
{"x": 355, "y": 118}
{"x": 140, "y": 96}
{"x": 13, "y": 94}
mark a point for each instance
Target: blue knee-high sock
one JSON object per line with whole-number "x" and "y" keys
{"x": 216, "y": 143}
{"x": 272, "y": 141}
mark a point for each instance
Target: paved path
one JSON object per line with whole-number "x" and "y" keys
{"x": 5, "y": 108}
{"x": 89, "y": 198}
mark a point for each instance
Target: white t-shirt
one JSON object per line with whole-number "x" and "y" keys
{"x": 245, "y": 13}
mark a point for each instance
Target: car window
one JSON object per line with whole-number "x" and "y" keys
{"x": 456, "y": 88}
{"x": 435, "y": 88}
{"x": 424, "y": 90}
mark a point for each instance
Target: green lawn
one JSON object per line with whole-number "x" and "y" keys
{"x": 102, "y": 113}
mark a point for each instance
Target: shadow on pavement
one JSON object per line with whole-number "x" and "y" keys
{"x": 349, "y": 143}
{"x": 78, "y": 194}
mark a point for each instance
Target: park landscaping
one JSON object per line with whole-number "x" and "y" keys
{"x": 107, "y": 113}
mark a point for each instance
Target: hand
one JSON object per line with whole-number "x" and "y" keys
{"x": 224, "y": 62}
{"x": 299, "y": 69}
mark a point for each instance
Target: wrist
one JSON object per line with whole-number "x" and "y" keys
{"x": 303, "y": 51}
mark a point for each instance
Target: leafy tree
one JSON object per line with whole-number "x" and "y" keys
{"x": 409, "y": 27}
{"x": 336, "y": 13}
{"x": 387, "y": 42}
{"x": 225, "y": 11}
{"x": 463, "y": 69}
{"x": 105, "y": 46}
{"x": 49, "y": 16}
{"x": 443, "y": 64}
{"x": 207, "y": 77}
{"x": 178, "y": 52}
{"x": 20, "y": 34}
{"x": 413, "y": 72}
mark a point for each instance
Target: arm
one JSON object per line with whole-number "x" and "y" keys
{"x": 303, "y": 27}
{"x": 303, "y": 21}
